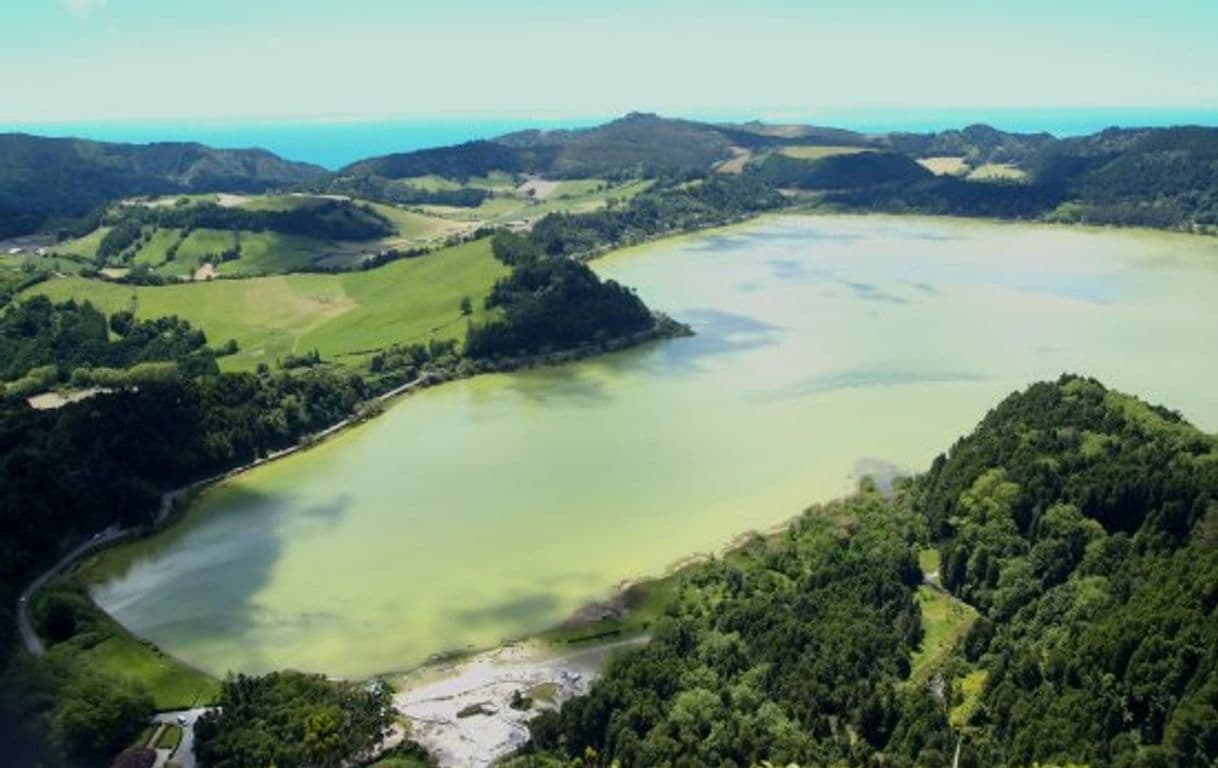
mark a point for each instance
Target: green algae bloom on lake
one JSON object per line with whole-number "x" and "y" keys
{"x": 493, "y": 507}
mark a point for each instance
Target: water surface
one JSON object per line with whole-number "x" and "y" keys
{"x": 825, "y": 347}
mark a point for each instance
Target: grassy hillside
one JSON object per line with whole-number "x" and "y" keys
{"x": 635, "y": 145}
{"x": 837, "y": 170}
{"x": 344, "y": 317}
{"x": 170, "y": 247}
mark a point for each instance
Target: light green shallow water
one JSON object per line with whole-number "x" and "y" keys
{"x": 493, "y": 507}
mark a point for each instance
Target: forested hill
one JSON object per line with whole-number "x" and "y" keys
{"x": 42, "y": 178}
{"x": 1158, "y": 177}
{"x": 637, "y": 144}
{"x": 1075, "y": 535}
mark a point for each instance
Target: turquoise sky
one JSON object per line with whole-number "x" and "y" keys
{"x": 68, "y": 60}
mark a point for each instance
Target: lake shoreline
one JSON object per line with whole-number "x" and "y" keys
{"x": 175, "y": 503}
{"x": 676, "y": 565}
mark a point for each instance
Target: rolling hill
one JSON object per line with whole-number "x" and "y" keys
{"x": 43, "y": 178}
{"x": 638, "y": 144}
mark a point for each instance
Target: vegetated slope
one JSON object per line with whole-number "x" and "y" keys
{"x": 977, "y": 144}
{"x": 551, "y": 301}
{"x": 473, "y": 158}
{"x": 43, "y": 344}
{"x": 844, "y": 171}
{"x": 1157, "y": 177}
{"x": 644, "y": 143}
{"x": 43, "y": 177}
{"x": 635, "y": 145}
{"x": 1083, "y": 523}
{"x": 292, "y": 719}
{"x": 1083, "y": 526}
{"x": 345, "y": 317}
{"x": 756, "y": 133}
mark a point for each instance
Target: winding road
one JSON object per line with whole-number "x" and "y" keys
{"x": 29, "y": 637}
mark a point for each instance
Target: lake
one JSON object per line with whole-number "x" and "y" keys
{"x": 827, "y": 347}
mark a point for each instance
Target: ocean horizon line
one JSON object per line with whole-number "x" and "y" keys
{"x": 333, "y": 142}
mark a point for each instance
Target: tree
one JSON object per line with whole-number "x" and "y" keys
{"x": 96, "y": 715}
{"x": 291, "y": 720}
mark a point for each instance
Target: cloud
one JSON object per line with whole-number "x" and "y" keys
{"x": 84, "y": 7}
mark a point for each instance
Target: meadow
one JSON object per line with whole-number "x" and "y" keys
{"x": 944, "y": 165}
{"x": 345, "y": 316}
{"x": 997, "y": 172}
{"x": 178, "y": 254}
{"x": 817, "y": 152}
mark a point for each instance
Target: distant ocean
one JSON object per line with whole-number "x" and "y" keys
{"x": 334, "y": 144}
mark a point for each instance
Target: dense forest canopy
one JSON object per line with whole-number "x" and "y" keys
{"x": 859, "y": 169}
{"x": 551, "y": 301}
{"x": 1082, "y": 526}
{"x": 291, "y": 720}
{"x": 71, "y": 336}
{"x": 555, "y": 303}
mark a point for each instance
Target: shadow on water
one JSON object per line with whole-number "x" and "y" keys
{"x": 533, "y": 609}
{"x": 191, "y": 589}
{"x": 568, "y": 385}
{"x": 788, "y": 270}
{"x": 736, "y": 241}
{"x": 585, "y": 383}
{"x": 859, "y": 379}
{"x": 870, "y": 292}
{"x": 715, "y": 333}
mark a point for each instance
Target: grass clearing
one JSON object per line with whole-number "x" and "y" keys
{"x": 816, "y": 152}
{"x": 173, "y": 684}
{"x": 264, "y": 253}
{"x": 495, "y": 181}
{"x": 417, "y": 227}
{"x": 928, "y": 561}
{"x": 944, "y": 165}
{"x": 997, "y": 172}
{"x": 579, "y": 188}
{"x": 736, "y": 163}
{"x": 281, "y": 202}
{"x": 431, "y": 183}
{"x": 944, "y": 622}
{"x": 83, "y": 246}
{"x": 344, "y": 316}
{"x": 492, "y": 209}
{"x": 970, "y": 688}
{"x": 202, "y": 243}
{"x": 170, "y": 737}
{"x": 154, "y": 252}
{"x": 105, "y": 646}
{"x": 544, "y": 693}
